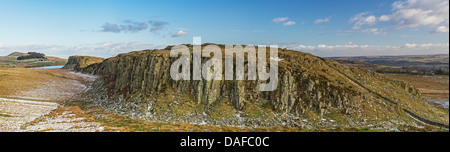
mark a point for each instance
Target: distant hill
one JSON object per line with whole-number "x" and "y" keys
{"x": 19, "y": 59}
{"x": 51, "y": 58}
{"x": 17, "y": 54}
{"x": 32, "y": 55}
{"x": 439, "y": 61}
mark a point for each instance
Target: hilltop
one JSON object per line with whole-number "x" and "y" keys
{"x": 30, "y": 59}
{"x": 313, "y": 93}
{"x": 17, "y": 54}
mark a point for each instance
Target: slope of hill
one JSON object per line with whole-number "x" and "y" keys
{"x": 313, "y": 93}
{"x": 17, "y": 54}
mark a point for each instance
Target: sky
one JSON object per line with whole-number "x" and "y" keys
{"x": 324, "y": 28}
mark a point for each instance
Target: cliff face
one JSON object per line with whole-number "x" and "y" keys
{"x": 148, "y": 72}
{"x": 79, "y": 62}
{"x": 308, "y": 85}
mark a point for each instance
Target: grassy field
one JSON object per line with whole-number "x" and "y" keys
{"x": 39, "y": 84}
{"x": 434, "y": 87}
{"x": 15, "y": 80}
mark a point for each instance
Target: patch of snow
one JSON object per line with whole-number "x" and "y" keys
{"x": 276, "y": 59}
{"x": 30, "y": 102}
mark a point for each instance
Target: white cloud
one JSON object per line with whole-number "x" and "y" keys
{"x": 374, "y": 31}
{"x": 280, "y": 19}
{"x": 127, "y": 26}
{"x": 361, "y": 19}
{"x": 384, "y": 18}
{"x": 357, "y": 17}
{"x": 441, "y": 29}
{"x": 180, "y": 33}
{"x": 157, "y": 25}
{"x": 325, "y": 20}
{"x": 352, "y": 49}
{"x": 415, "y": 13}
{"x": 105, "y": 49}
{"x": 428, "y": 14}
{"x": 290, "y": 23}
{"x": 285, "y": 20}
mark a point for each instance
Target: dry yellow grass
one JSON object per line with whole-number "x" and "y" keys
{"x": 38, "y": 84}
{"x": 55, "y": 58}
{"x": 91, "y": 60}
{"x": 435, "y": 87}
{"x": 14, "y": 80}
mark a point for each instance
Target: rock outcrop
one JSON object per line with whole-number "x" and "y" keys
{"x": 79, "y": 62}
{"x": 308, "y": 85}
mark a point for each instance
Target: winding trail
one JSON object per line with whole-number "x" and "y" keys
{"x": 425, "y": 121}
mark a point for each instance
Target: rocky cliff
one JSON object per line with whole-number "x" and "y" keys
{"x": 310, "y": 88}
{"x": 79, "y": 62}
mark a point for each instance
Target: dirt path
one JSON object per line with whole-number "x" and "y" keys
{"x": 425, "y": 121}
{"x": 39, "y": 108}
{"x": 409, "y": 113}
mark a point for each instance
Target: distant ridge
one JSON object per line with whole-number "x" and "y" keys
{"x": 435, "y": 61}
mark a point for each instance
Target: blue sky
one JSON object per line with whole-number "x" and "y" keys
{"x": 321, "y": 27}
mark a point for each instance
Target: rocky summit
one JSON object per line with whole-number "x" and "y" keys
{"x": 312, "y": 93}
